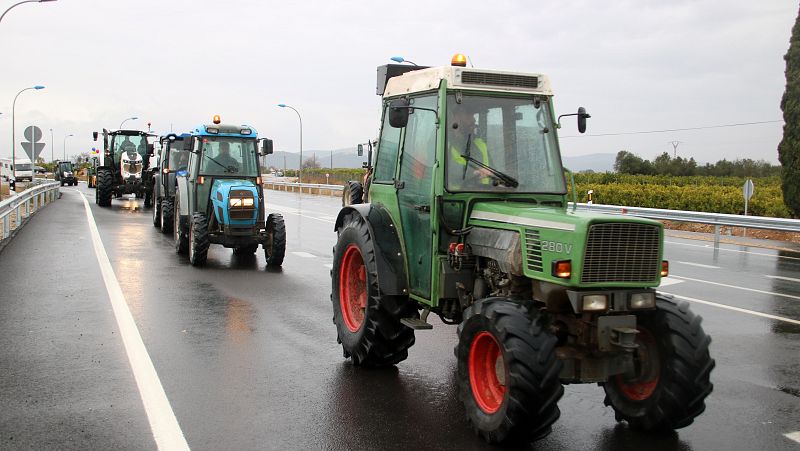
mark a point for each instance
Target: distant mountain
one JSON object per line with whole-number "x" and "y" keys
{"x": 347, "y": 158}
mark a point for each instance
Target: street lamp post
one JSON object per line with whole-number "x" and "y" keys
{"x": 300, "y": 170}
{"x": 13, "y": 137}
{"x": 126, "y": 120}
{"x": 52, "y": 149}
{"x": 17, "y": 4}
{"x": 65, "y": 145}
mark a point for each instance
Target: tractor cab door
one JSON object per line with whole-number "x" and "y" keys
{"x": 415, "y": 192}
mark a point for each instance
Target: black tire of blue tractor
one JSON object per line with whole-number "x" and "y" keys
{"x": 157, "y": 214}
{"x": 249, "y": 249}
{"x": 181, "y": 242}
{"x": 275, "y": 245}
{"x": 198, "y": 240}
{"x": 684, "y": 379}
{"x": 532, "y": 387}
{"x": 104, "y": 187}
{"x": 353, "y": 193}
{"x": 382, "y": 340}
{"x": 167, "y": 210}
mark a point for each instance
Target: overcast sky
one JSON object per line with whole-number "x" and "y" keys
{"x": 635, "y": 65}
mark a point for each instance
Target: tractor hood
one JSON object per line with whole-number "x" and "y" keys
{"x": 235, "y": 201}
{"x": 604, "y": 250}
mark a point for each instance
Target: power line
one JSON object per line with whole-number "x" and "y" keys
{"x": 673, "y": 129}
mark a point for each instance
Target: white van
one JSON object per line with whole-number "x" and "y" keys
{"x": 24, "y": 169}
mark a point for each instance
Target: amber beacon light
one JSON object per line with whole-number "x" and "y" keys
{"x": 216, "y": 119}
{"x": 459, "y": 60}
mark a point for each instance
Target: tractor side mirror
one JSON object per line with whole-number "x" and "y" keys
{"x": 360, "y": 150}
{"x": 94, "y": 135}
{"x": 266, "y": 146}
{"x": 582, "y": 116}
{"x": 398, "y": 113}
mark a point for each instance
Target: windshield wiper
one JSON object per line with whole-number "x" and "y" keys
{"x": 215, "y": 161}
{"x": 506, "y": 179}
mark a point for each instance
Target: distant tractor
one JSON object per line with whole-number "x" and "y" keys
{"x": 354, "y": 191}
{"x": 172, "y": 157}
{"x": 466, "y": 216}
{"x": 220, "y": 197}
{"x": 65, "y": 173}
{"x": 123, "y": 167}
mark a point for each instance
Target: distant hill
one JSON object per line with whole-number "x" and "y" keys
{"x": 347, "y": 158}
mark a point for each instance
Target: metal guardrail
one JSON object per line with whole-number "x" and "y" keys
{"x": 715, "y": 219}
{"x": 30, "y": 201}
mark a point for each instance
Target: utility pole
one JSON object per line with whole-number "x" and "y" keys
{"x": 331, "y": 159}
{"x": 675, "y": 147}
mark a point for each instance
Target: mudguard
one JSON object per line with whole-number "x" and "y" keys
{"x": 392, "y": 276}
{"x": 183, "y": 201}
{"x": 220, "y": 195}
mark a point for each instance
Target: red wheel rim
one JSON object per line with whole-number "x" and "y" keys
{"x": 648, "y": 368}
{"x": 353, "y": 288}
{"x": 487, "y": 372}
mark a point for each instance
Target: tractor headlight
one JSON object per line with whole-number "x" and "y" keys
{"x": 643, "y": 300}
{"x": 594, "y": 302}
{"x": 241, "y": 201}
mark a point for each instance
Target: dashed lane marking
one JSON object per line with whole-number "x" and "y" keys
{"x": 735, "y": 309}
{"x": 667, "y": 281}
{"x": 166, "y": 430}
{"x": 699, "y": 265}
{"x": 709, "y": 246}
{"x": 296, "y": 211}
{"x": 788, "y": 279}
{"x": 304, "y": 254}
{"x": 793, "y": 436}
{"x": 790, "y": 296}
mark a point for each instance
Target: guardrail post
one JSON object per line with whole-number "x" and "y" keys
{"x": 6, "y": 226}
{"x": 716, "y": 236}
{"x": 19, "y": 215}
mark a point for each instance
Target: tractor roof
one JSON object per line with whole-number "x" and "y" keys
{"x": 467, "y": 79}
{"x": 240, "y": 131}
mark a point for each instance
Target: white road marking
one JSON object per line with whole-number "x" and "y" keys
{"x": 296, "y": 211}
{"x": 667, "y": 281}
{"x": 304, "y": 254}
{"x": 328, "y": 265}
{"x": 738, "y": 288}
{"x": 166, "y": 430}
{"x": 788, "y": 279}
{"x": 699, "y": 265}
{"x": 793, "y": 436}
{"x": 735, "y": 309}
{"x": 708, "y": 246}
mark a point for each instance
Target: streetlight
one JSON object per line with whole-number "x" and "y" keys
{"x": 126, "y": 120}
{"x": 300, "y": 170}
{"x": 26, "y": 1}
{"x": 52, "y": 149}
{"x": 13, "y": 137}
{"x": 65, "y": 145}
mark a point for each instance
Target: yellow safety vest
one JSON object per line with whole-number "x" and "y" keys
{"x": 481, "y": 145}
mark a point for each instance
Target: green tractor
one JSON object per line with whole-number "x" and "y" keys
{"x": 219, "y": 197}
{"x": 467, "y": 216}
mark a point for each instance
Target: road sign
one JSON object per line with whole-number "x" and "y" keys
{"x": 748, "y": 189}
{"x": 33, "y": 148}
{"x": 33, "y": 133}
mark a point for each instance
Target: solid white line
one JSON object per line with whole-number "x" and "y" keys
{"x": 737, "y": 287}
{"x": 304, "y": 254}
{"x": 166, "y": 431}
{"x": 788, "y": 279}
{"x": 699, "y": 265}
{"x": 793, "y": 436}
{"x": 735, "y": 309}
{"x": 708, "y": 246}
{"x": 666, "y": 281}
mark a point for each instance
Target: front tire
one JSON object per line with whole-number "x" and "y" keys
{"x": 275, "y": 245}
{"x": 508, "y": 371}
{"x": 367, "y": 323}
{"x": 157, "y": 214}
{"x": 105, "y": 183}
{"x": 167, "y": 213}
{"x": 198, "y": 240}
{"x": 673, "y": 371}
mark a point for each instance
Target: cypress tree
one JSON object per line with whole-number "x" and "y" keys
{"x": 789, "y": 147}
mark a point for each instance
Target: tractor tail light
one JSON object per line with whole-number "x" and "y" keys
{"x": 562, "y": 269}
{"x": 664, "y": 268}
{"x": 258, "y": 180}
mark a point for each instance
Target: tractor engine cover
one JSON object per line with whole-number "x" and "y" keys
{"x": 235, "y": 202}
{"x": 131, "y": 165}
{"x": 502, "y": 246}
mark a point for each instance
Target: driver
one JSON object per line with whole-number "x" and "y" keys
{"x": 127, "y": 145}
{"x": 464, "y": 130}
{"x": 224, "y": 157}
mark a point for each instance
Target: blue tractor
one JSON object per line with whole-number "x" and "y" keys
{"x": 219, "y": 198}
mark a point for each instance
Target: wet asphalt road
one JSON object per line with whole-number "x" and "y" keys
{"x": 248, "y": 356}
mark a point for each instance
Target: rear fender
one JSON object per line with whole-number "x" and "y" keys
{"x": 392, "y": 276}
{"x": 182, "y": 199}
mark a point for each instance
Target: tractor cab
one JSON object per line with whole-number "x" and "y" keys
{"x": 172, "y": 157}
{"x": 124, "y": 165}
{"x": 65, "y": 173}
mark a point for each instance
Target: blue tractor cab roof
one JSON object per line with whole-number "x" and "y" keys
{"x": 238, "y": 131}
{"x": 177, "y": 136}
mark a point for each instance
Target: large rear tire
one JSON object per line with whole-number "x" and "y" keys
{"x": 167, "y": 212}
{"x": 105, "y": 182}
{"x": 353, "y": 193}
{"x": 275, "y": 246}
{"x": 673, "y": 371}
{"x": 508, "y": 371}
{"x": 198, "y": 240}
{"x": 367, "y": 323}
{"x": 181, "y": 242}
